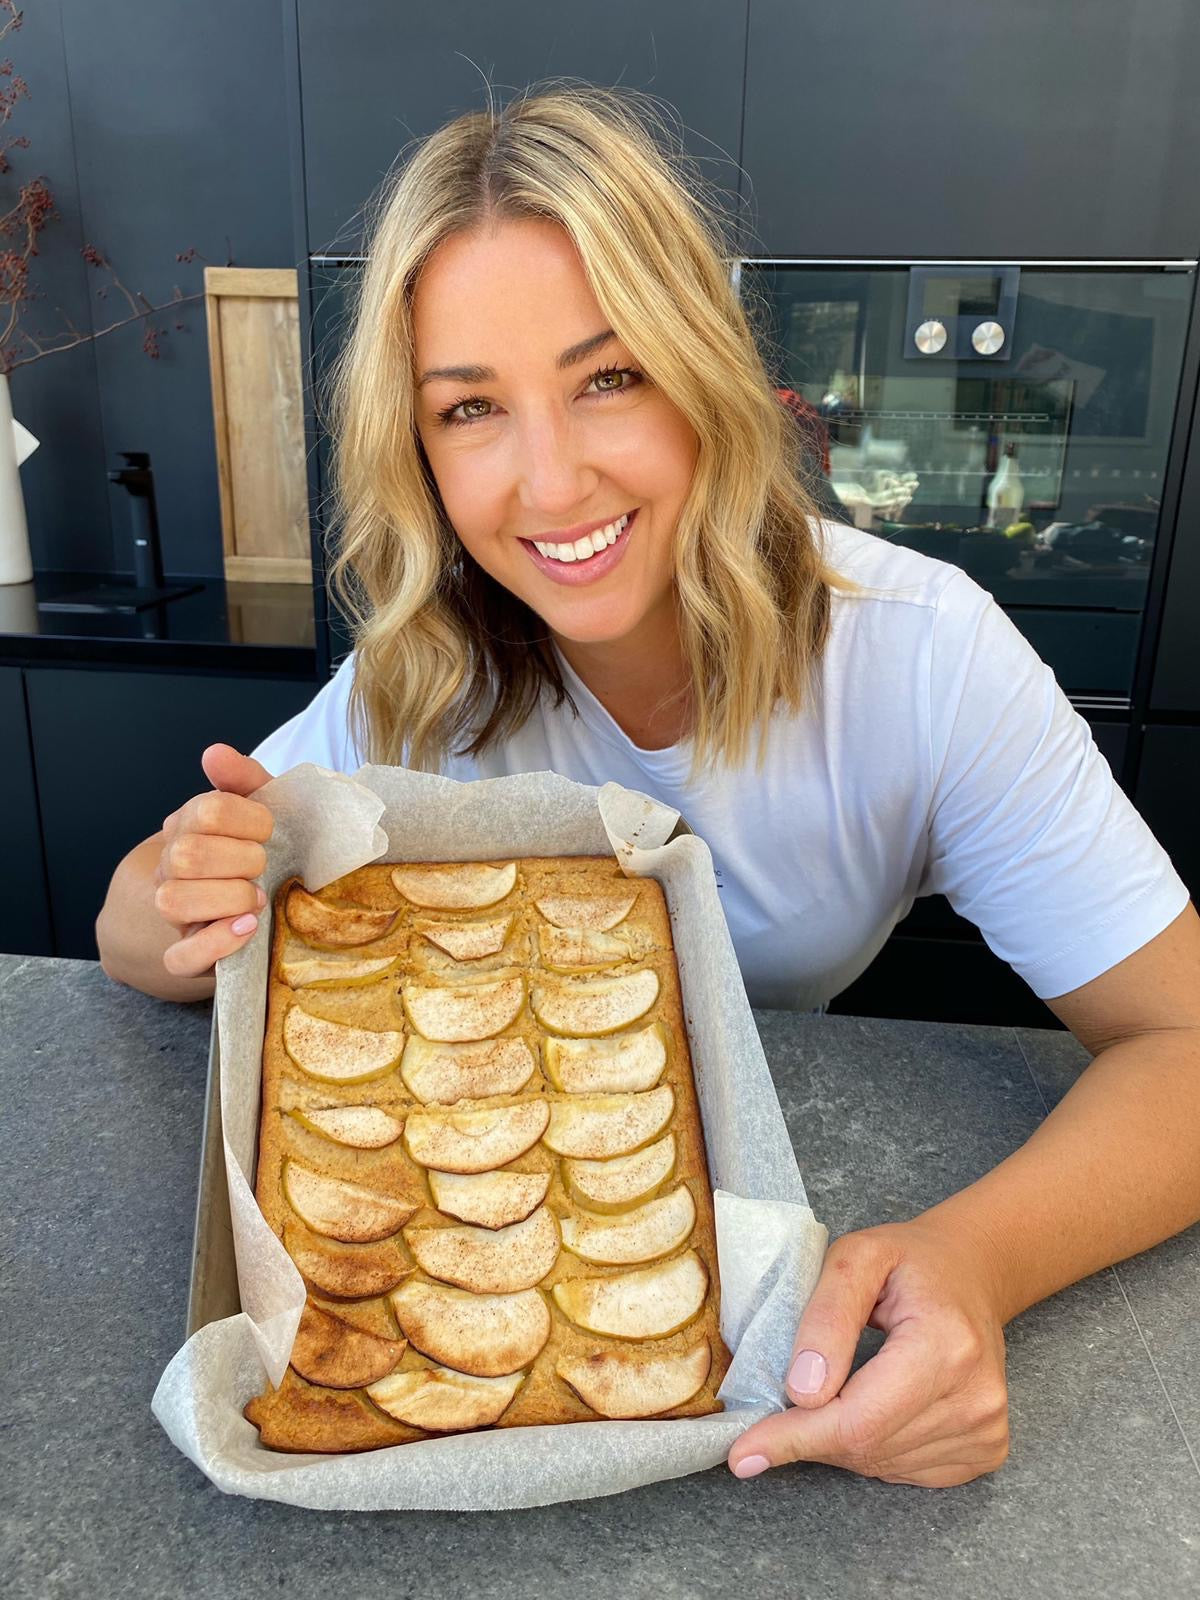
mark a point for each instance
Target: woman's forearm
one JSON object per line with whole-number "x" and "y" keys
{"x": 131, "y": 935}
{"x": 1114, "y": 1169}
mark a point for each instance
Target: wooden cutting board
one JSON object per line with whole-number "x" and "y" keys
{"x": 258, "y": 419}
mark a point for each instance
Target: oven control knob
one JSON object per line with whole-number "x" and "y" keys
{"x": 930, "y": 337}
{"x": 987, "y": 338}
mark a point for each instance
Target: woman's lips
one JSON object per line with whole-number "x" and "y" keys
{"x": 579, "y": 572}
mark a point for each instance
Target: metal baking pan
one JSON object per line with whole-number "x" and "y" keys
{"x": 213, "y": 1287}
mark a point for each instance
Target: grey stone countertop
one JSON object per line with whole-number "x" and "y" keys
{"x": 102, "y": 1096}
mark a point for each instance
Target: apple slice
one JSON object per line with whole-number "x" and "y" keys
{"x": 468, "y": 941}
{"x": 338, "y": 1355}
{"x": 487, "y": 1335}
{"x": 333, "y": 927}
{"x": 615, "y": 1185}
{"x": 626, "y": 1064}
{"x": 602, "y": 1125}
{"x": 491, "y": 1199}
{"x": 336, "y": 1053}
{"x": 469, "y": 1011}
{"x": 653, "y": 1230}
{"x": 486, "y": 1260}
{"x": 650, "y": 1304}
{"x": 350, "y": 1272}
{"x": 581, "y": 949}
{"x": 342, "y": 1210}
{"x": 363, "y": 1127}
{"x": 624, "y": 1383}
{"x": 444, "y": 1401}
{"x": 591, "y": 1006}
{"x": 300, "y": 967}
{"x": 444, "y": 1073}
{"x": 595, "y": 911}
{"x": 455, "y": 886}
{"x": 476, "y": 1138}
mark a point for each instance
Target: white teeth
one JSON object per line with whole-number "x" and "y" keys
{"x": 583, "y": 549}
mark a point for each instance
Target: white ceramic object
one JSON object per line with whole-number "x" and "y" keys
{"x": 15, "y": 563}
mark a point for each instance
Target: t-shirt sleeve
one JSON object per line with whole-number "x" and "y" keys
{"x": 1030, "y": 836}
{"x": 320, "y": 733}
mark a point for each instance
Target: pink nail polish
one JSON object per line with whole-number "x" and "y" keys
{"x": 246, "y": 924}
{"x": 807, "y": 1373}
{"x": 750, "y": 1466}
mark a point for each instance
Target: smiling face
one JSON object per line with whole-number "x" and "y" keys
{"x": 555, "y": 434}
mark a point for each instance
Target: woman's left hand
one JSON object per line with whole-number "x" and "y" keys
{"x": 930, "y": 1407}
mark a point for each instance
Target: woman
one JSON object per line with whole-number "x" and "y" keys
{"x": 571, "y": 536}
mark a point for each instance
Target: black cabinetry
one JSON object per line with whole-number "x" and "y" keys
{"x": 1003, "y": 130}
{"x": 103, "y": 757}
{"x": 25, "y": 914}
{"x": 375, "y": 78}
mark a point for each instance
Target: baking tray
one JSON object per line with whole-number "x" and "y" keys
{"x": 213, "y": 1285}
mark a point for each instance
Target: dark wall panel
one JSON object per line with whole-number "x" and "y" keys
{"x": 376, "y": 76}
{"x": 1002, "y": 128}
{"x": 24, "y": 908}
{"x": 173, "y": 118}
{"x": 115, "y": 753}
{"x": 57, "y": 397}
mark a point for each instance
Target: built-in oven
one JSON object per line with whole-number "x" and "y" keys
{"x": 1013, "y": 418}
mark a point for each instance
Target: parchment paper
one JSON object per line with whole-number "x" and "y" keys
{"x": 769, "y": 1244}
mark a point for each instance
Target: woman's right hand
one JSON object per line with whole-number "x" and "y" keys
{"x": 212, "y": 848}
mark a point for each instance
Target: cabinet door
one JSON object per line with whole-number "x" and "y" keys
{"x": 115, "y": 752}
{"x": 375, "y": 77}
{"x": 24, "y": 909}
{"x": 1177, "y": 668}
{"x": 1168, "y": 784}
{"x": 998, "y": 128}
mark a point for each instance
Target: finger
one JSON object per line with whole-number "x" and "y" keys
{"x": 185, "y": 900}
{"x": 852, "y": 1279}
{"x": 200, "y": 951}
{"x": 201, "y": 855}
{"x": 229, "y": 770}
{"x": 858, "y": 1426}
{"x": 230, "y": 814}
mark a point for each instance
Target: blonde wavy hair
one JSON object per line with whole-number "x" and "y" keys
{"x": 447, "y": 660}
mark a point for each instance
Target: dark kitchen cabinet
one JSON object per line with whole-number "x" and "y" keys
{"x": 1002, "y": 130}
{"x": 374, "y": 80}
{"x": 1168, "y": 794}
{"x": 24, "y": 909}
{"x": 114, "y": 753}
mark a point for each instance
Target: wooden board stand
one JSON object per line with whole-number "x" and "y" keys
{"x": 258, "y": 417}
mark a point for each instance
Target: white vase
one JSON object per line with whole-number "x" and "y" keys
{"x": 16, "y": 443}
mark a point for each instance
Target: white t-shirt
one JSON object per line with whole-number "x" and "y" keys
{"x": 936, "y": 754}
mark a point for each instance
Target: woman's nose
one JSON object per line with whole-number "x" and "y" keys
{"x": 555, "y": 476}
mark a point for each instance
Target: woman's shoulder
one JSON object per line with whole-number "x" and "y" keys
{"x": 883, "y": 572}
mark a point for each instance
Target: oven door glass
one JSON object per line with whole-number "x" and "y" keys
{"x": 1012, "y": 420}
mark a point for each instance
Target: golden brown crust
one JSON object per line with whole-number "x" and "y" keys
{"x": 353, "y": 1281}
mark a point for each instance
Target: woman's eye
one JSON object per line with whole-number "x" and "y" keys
{"x": 448, "y": 415}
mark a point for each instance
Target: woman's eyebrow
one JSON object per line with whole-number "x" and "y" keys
{"x": 576, "y": 353}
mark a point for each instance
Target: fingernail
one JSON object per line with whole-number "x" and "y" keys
{"x": 807, "y": 1372}
{"x": 246, "y": 924}
{"x": 750, "y": 1466}
{"x": 260, "y": 896}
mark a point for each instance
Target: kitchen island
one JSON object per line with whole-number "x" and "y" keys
{"x": 103, "y": 1095}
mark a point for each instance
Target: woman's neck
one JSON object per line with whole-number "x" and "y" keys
{"x": 644, "y": 686}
